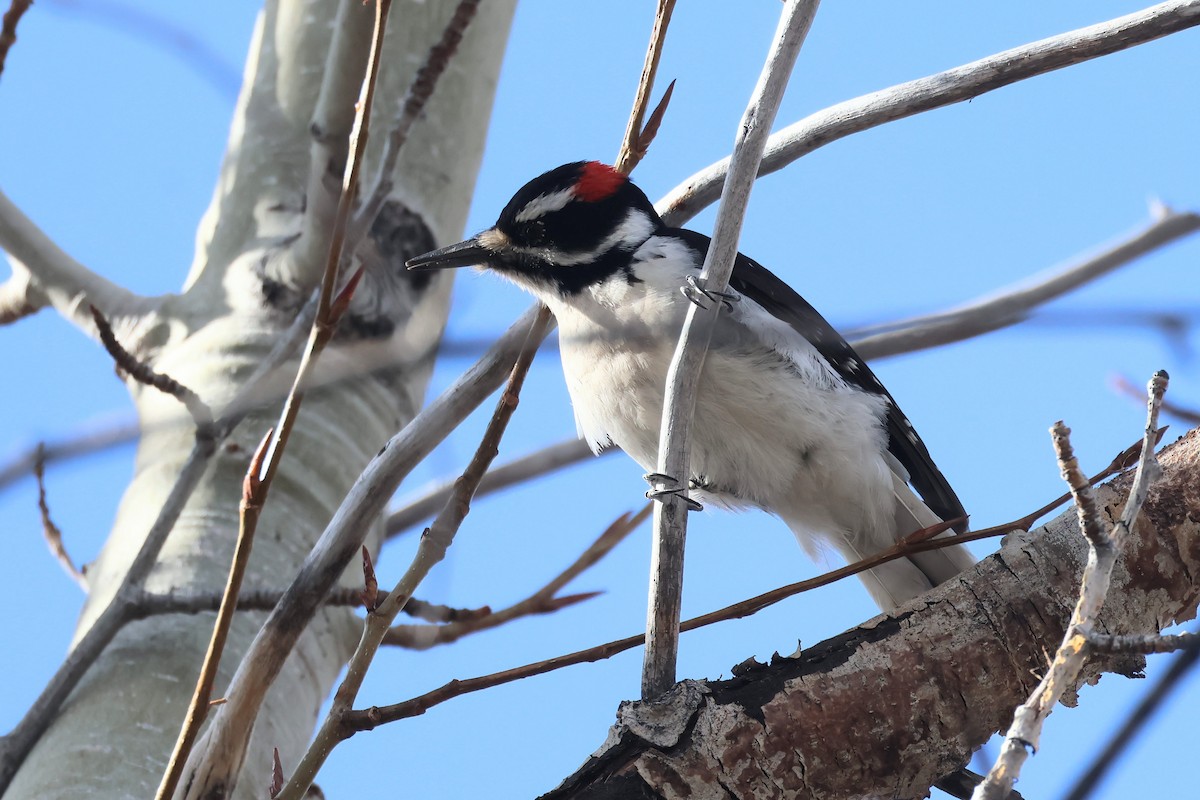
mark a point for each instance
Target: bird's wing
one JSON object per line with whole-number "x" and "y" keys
{"x": 759, "y": 284}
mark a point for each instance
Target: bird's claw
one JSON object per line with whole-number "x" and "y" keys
{"x": 695, "y": 291}
{"x": 672, "y": 487}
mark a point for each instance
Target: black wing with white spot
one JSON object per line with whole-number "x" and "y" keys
{"x": 756, "y": 282}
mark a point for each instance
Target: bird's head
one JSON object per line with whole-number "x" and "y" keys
{"x": 573, "y": 226}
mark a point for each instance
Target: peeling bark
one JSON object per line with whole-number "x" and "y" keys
{"x": 888, "y": 707}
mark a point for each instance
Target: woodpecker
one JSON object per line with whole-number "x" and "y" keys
{"x": 787, "y": 417}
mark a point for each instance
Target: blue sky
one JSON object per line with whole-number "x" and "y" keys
{"x": 111, "y": 140}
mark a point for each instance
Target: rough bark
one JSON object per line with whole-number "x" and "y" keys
{"x": 115, "y": 732}
{"x": 888, "y": 707}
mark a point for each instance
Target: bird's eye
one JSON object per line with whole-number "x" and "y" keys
{"x": 533, "y": 232}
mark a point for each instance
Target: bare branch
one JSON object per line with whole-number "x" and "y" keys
{"x": 250, "y": 508}
{"x": 432, "y": 549}
{"x": 1011, "y": 305}
{"x": 8, "y": 28}
{"x": 90, "y": 441}
{"x": 16, "y": 745}
{"x": 1103, "y": 547}
{"x": 148, "y": 604}
{"x": 545, "y": 600}
{"x": 141, "y": 372}
{"x": 54, "y": 278}
{"x": 527, "y": 467}
{"x": 934, "y": 91}
{"x": 1126, "y": 387}
{"x": 633, "y": 146}
{"x": 341, "y": 542}
{"x": 50, "y": 531}
{"x": 1146, "y": 708}
{"x": 670, "y": 514}
{"x": 424, "y": 83}
{"x": 330, "y": 308}
{"x": 333, "y": 119}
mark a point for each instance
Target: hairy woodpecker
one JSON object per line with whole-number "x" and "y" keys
{"x": 787, "y": 418}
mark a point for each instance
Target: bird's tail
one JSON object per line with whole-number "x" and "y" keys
{"x": 898, "y": 581}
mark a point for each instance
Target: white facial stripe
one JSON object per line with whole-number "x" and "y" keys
{"x": 544, "y": 204}
{"x": 633, "y": 230}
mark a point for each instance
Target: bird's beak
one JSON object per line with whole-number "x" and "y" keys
{"x": 463, "y": 254}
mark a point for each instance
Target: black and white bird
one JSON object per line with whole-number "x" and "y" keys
{"x": 787, "y": 418}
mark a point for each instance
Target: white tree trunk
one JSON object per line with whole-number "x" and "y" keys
{"x": 115, "y": 732}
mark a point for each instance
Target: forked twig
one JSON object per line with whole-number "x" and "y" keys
{"x": 434, "y": 543}
{"x": 637, "y": 138}
{"x": 1103, "y": 548}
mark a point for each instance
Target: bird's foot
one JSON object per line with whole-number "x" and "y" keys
{"x": 695, "y": 291}
{"x": 663, "y": 485}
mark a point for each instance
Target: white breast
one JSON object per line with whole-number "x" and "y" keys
{"x": 771, "y": 419}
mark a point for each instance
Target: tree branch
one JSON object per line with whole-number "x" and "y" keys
{"x": 942, "y": 673}
{"x": 1011, "y": 305}
{"x": 8, "y": 28}
{"x": 338, "y": 544}
{"x": 435, "y": 542}
{"x": 934, "y": 91}
{"x": 528, "y": 467}
{"x": 544, "y": 600}
{"x": 670, "y": 481}
{"x": 1103, "y": 548}
{"x": 53, "y": 278}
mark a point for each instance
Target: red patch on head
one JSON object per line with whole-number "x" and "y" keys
{"x": 597, "y": 182}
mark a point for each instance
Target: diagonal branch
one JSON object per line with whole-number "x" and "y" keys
{"x": 1104, "y": 546}
{"x": 433, "y": 547}
{"x": 44, "y": 275}
{"x": 670, "y": 514}
{"x": 527, "y": 467}
{"x": 51, "y": 531}
{"x": 544, "y": 600}
{"x": 1011, "y": 305}
{"x": 935, "y": 91}
{"x": 633, "y": 145}
{"x": 8, "y": 27}
{"x": 423, "y": 84}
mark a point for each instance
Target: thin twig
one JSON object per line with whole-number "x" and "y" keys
{"x": 670, "y": 513}
{"x": 432, "y": 549}
{"x": 1103, "y": 547}
{"x": 250, "y": 508}
{"x": 332, "y": 127}
{"x": 341, "y": 541}
{"x": 419, "y": 92}
{"x": 330, "y": 307}
{"x": 955, "y": 85}
{"x": 8, "y": 28}
{"x": 56, "y": 279}
{"x": 144, "y": 374}
{"x": 545, "y": 600}
{"x": 528, "y": 467}
{"x": 51, "y": 531}
{"x": 1013, "y": 304}
{"x": 633, "y": 145}
{"x": 16, "y": 745}
{"x": 1187, "y": 415}
{"x": 148, "y": 604}
{"x": 71, "y": 446}
{"x": 372, "y": 717}
{"x": 1108, "y": 756}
